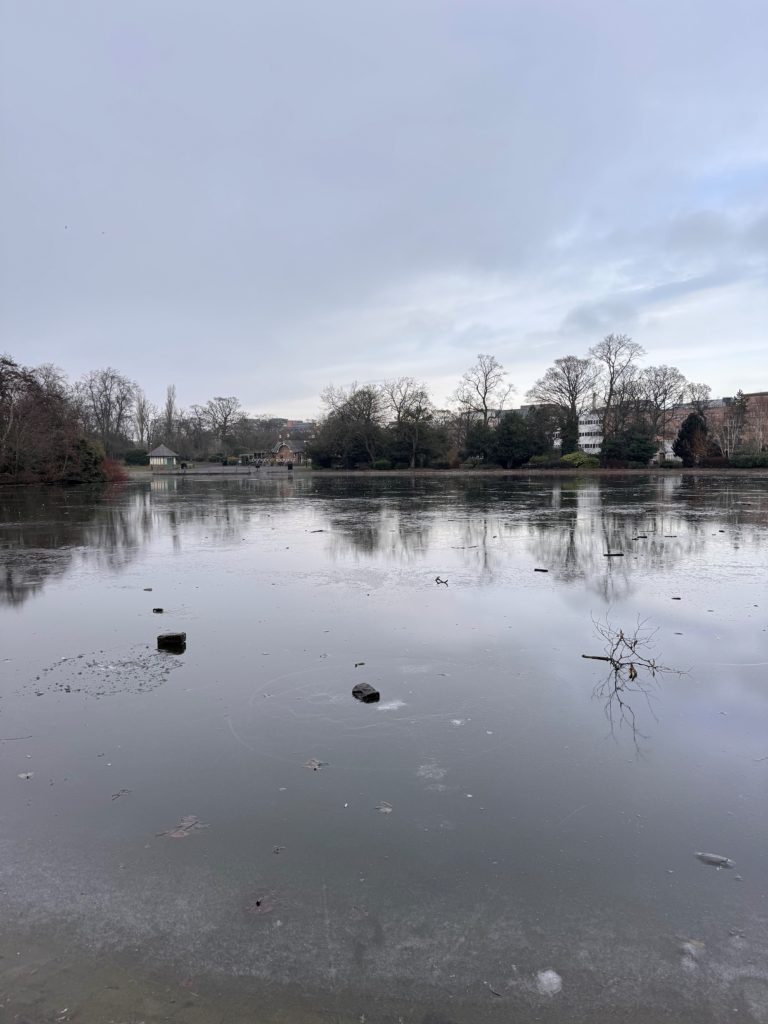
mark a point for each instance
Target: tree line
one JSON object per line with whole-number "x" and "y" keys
{"x": 55, "y": 429}
{"x": 396, "y": 423}
{"x": 41, "y": 434}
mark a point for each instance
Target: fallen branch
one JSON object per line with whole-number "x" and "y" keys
{"x": 632, "y": 671}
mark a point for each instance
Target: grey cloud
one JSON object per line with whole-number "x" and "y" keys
{"x": 619, "y": 314}
{"x": 596, "y": 319}
{"x": 196, "y": 189}
{"x": 757, "y": 236}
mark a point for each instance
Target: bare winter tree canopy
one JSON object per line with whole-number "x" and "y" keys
{"x": 699, "y": 395}
{"x": 222, "y": 412}
{"x": 483, "y": 387}
{"x": 362, "y": 403}
{"x": 144, "y": 413}
{"x": 410, "y": 406}
{"x": 41, "y": 430}
{"x": 405, "y": 398}
{"x": 170, "y": 412}
{"x": 568, "y": 384}
{"x": 729, "y": 430}
{"x": 106, "y": 399}
{"x": 355, "y": 418}
{"x": 617, "y": 359}
{"x": 661, "y": 387}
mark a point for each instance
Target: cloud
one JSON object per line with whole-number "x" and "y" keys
{"x": 210, "y": 193}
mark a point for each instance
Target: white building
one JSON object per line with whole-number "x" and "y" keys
{"x": 590, "y": 432}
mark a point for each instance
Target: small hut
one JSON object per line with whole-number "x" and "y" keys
{"x": 163, "y": 458}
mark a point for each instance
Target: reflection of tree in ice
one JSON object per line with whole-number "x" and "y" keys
{"x": 482, "y": 540}
{"x": 632, "y": 674}
{"x": 383, "y": 526}
{"x": 738, "y": 500}
{"x": 44, "y": 533}
{"x": 47, "y": 531}
{"x": 574, "y": 544}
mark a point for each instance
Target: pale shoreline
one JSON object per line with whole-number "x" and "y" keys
{"x": 522, "y": 471}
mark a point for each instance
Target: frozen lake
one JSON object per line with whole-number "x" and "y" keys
{"x": 505, "y": 836}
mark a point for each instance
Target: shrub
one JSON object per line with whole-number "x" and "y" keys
{"x": 85, "y": 464}
{"x": 543, "y": 462}
{"x": 439, "y": 464}
{"x": 381, "y": 464}
{"x": 750, "y": 460}
{"x": 136, "y": 457}
{"x": 579, "y": 460}
{"x": 628, "y": 446}
{"x": 113, "y": 471}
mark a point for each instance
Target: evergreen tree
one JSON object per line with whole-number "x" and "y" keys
{"x": 629, "y": 446}
{"x": 691, "y": 443}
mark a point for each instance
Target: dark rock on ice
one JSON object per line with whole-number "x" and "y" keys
{"x": 366, "y": 693}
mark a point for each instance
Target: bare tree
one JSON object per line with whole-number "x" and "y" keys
{"x": 170, "y": 412}
{"x": 401, "y": 395}
{"x": 629, "y": 405}
{"x": 729, "y": 430}
{"x": 15, "y": 383}
{"x": 195, "y": 425}
{"x": 568, "y": 386}
{"x": 41, "y": 435}
{"x": 221, "y": 413}
{"x": 106, "y": 400}
{"x": 409, "y": 403}
{"x": 661, "y": 387}
{"x": 356, "y": 417}
{"x": 756, "y": 428}
{"x": 699, "y": 397}
{"x": 52, "y": 378}
{"x": 144, "y": 412}
{"x": 617, "y": 357}
{"x": 481, "y": 386}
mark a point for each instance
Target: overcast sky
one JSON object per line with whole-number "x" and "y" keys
{"x": 260, "y": 198}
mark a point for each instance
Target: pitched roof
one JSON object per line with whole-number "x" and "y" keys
{"x": 163, "y": 450}
{"x": 295, "y": 446}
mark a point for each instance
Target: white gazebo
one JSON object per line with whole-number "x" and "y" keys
{"x": 163, "y": 458}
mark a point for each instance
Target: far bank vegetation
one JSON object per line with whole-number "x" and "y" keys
{"x": 56, "y": 430}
